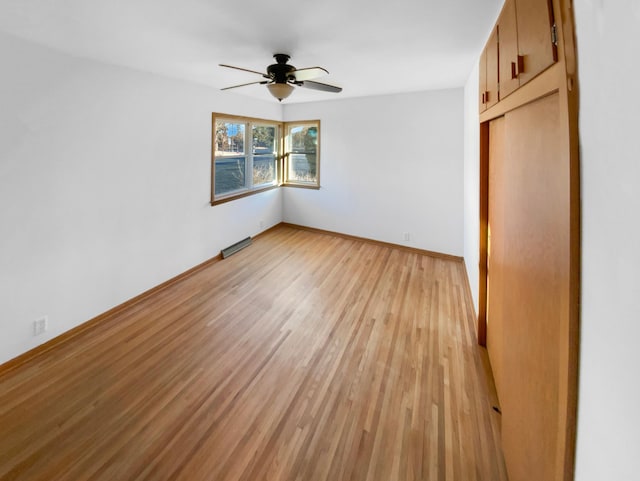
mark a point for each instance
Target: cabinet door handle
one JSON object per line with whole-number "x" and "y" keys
{"x": 517, "y": 68}
{"x": 520, "y": 64}
{"x": 483, "y": 101}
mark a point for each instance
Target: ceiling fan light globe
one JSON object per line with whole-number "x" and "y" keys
{"x": 280, "y": 90}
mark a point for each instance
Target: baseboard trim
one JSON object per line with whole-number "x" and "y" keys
{"x": 438, "y": 255}
{"x": 79, "y": 329}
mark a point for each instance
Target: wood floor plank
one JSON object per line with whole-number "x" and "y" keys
{"x": 306, "y": 356}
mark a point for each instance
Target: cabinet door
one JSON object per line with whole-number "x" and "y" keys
{"x": 483, "y": 81}
{"x": 489, "y": 73}
{"x": 536, "y": 48}
{"x": 491, "y": 94}
{"x": 508, "y": 48}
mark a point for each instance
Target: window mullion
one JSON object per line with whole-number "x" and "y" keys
{"x": 249, "y": 154}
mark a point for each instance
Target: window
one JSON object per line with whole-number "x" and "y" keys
{"x": 246, "y": 156}
{"x": 302, "y": 159}
{"x": 253, "y": 155}
{"x": 265, "y": 154}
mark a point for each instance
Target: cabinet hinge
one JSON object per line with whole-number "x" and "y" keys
{"x": 554, "y": 34}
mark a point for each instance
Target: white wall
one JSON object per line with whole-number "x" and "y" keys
{"x": 104, "y": 187}
{"x": 608, "y": 39}
{"x": 389, "y": 165}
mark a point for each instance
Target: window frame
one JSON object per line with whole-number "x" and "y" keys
{"x": 282, "y": 157}
{"x": 250, "y": 188}
{"x": 287, "y": 182}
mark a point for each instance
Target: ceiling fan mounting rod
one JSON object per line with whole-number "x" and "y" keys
{"x": 281, "y": 57}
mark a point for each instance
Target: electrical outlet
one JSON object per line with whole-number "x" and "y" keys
{"x": 40, "y": 325}
{"x": 406, "y": 236}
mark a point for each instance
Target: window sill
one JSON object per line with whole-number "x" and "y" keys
{"x": 224, "y": 200}
{"x": 301, "y": 186}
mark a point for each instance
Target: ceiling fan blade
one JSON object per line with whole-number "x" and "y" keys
{"x": 319, "y": 86}
{"x": 309, "y": 73}
{"x": 244, "y": 69}
{"x": 243, "y": 85}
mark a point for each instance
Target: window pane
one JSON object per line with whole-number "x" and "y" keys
{"x": 229, "y": 174}
{"x": 264, "y": 169}
{"x": 264, "y": 139}
{"x": 264, "y": 153}
{"x": 302, "y": 167}
{"x": 304, "y": 138}
{"x": 229, "y": 138}
{"x": 302, "y": 158}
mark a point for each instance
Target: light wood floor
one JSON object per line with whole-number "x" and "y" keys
{"x": 303, "y": 357}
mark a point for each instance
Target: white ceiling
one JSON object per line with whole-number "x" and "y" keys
{"x": 370, "y": 47}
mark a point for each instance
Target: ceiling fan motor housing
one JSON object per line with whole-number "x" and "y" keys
{"x": 281, "y": 72}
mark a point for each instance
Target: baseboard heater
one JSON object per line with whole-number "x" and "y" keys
{"x": 232, "y": 249}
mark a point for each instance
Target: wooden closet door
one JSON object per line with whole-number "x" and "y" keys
{"x": 495, "y": 251}
{"x": 535, "y": 305}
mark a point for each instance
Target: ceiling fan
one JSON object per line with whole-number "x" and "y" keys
{"x": 281, "y": 78}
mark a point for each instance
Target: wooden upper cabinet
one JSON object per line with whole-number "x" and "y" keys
{"x": 489, "y": 73}
{"x": 521, "y": 45}
{"x": 537, "y": 42}
{"x": 509, "y": 61}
